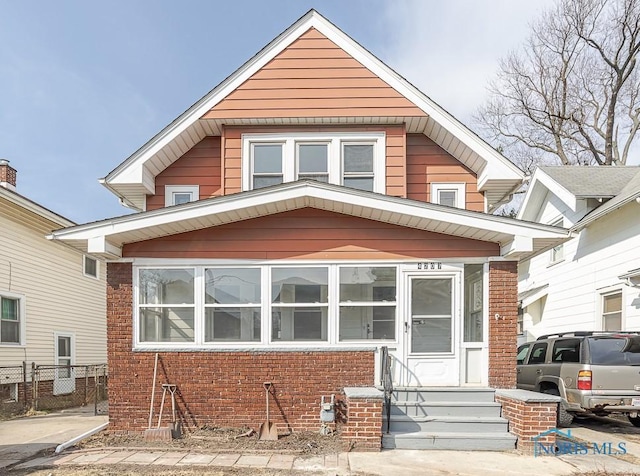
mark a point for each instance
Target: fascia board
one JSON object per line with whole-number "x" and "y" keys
{"x": 559, "y": 191}
{"x": 310, "y": 194}
{"x": 541, "y": 183}
{"x": 35, "y": 208}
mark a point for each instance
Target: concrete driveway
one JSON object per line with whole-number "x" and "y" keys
{"x": 23, "y": 438}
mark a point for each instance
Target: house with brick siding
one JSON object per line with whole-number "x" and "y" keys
{"x": 310, "y": 211}
{"x": 52, "y": 304}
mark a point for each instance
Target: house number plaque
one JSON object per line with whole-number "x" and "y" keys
{"x": 430, "y": 265}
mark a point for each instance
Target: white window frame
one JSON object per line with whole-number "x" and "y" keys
{"x": 171, "y": 190}
{"x": 84, "y": 267}
{"x": 556, "y": 254}
{"x": 459, "y": 188}
{"x": 22, "y": 326}
{"x": 607, "y": 293}
{"x": 266, "y": 306}
{"x": 335, "y": 141}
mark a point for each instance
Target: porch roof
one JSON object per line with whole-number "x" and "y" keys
{"x": 106, "y": 238}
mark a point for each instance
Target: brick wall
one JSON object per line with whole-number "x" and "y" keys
{"x": 529, "y": 417}
{"x": 503, "y": 312}
{"x": 221, "y": 388}
{"x": 363, "y": 429}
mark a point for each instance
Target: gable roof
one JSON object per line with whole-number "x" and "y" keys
{"x": 629, "y": 193}
{"x": 134, "y": 178}
{"x": 21, "y": 204}
{"x": 516, "y": 238}
{"x": 591, "y": 182}
{"x": 571, "y": 183}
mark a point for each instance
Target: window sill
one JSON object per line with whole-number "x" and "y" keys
{"x": 254, "y": 349}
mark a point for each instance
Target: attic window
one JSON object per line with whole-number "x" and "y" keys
{"x": 355, "y": 160}
{"x": 448, "y": 194}
{"x": 179, "y": 194}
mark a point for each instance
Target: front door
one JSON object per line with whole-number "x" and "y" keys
{"x": 431, "y": 324}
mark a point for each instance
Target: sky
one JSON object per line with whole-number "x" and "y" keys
{"x": 84, "y": 84}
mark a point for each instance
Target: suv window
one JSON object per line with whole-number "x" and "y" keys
{"x": 538, "y": 353}
{"x": 522, "y": 353}
{"x": 615, "y": 350}
{"x": 566, "y": 350}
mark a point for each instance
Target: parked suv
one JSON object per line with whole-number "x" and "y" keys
{"x": 594, "y": 373}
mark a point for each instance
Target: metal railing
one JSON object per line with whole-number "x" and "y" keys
{"x": 386, "y": 381}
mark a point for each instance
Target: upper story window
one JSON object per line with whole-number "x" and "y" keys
{"x": 90, "y": 266}
{"x": 179, "y": 194}
{"x": 11, "y": 319}
{"x": 449, "y": 194}
{"x": 349, "y": 159}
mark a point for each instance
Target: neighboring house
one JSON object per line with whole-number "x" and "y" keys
{"x": 52, "y": 296}
{"x": 591, "y": 282}
{"x": 310, "y": 209}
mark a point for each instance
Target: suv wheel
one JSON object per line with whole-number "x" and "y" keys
{"x": 635, "y": 421}
{"x": 564, "y": 418}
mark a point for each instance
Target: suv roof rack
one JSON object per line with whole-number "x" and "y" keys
{"x": 586, "y": 334}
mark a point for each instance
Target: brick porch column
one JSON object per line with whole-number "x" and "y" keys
{"x": 503, "y": 314}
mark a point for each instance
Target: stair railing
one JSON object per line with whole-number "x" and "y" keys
{"x": 386, "y": 381}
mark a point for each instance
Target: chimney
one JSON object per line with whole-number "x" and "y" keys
{"x": 7, "y": 175}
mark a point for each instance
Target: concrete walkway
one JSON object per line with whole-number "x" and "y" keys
{"x": 405, "y": 462}
{"x": 25, "y": 437}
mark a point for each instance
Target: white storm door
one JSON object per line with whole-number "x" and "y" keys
{"x": 432, "y": 346}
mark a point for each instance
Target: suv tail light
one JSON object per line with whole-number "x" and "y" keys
{"x": 584, "y": 380}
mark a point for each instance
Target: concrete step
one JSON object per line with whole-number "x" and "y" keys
{"x": 443, "y": 394}
{"x": 449, "y": 441}
{"x": 433, "y": 409}
{"x": 448, "y": 424}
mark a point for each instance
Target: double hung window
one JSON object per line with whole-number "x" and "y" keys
{"x": 11, "y": 317}
{"x": 353, "y": 160}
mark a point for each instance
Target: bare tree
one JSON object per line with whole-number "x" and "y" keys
{"x": 572, "y": 93}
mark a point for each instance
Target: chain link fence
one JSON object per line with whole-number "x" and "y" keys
{"x": 52, "y": 387}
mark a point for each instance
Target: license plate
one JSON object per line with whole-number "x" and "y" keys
{"x": 635, "y": 401}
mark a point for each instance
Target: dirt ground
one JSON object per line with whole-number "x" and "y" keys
{"x": 211, "y": 439}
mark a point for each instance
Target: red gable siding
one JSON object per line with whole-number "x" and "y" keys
{"x": 313, "y": 77}
{"x": 310, "y": 234}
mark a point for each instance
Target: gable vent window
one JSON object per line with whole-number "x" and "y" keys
{"x": 448, "y": 194}
{"x": 348, "y": 159}
{"x": 179, "y": 194}
{"x": 90, "y": 267}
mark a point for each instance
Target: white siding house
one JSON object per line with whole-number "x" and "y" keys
{"x": 591, "y": 282}
{"x": 52, "y": 296}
